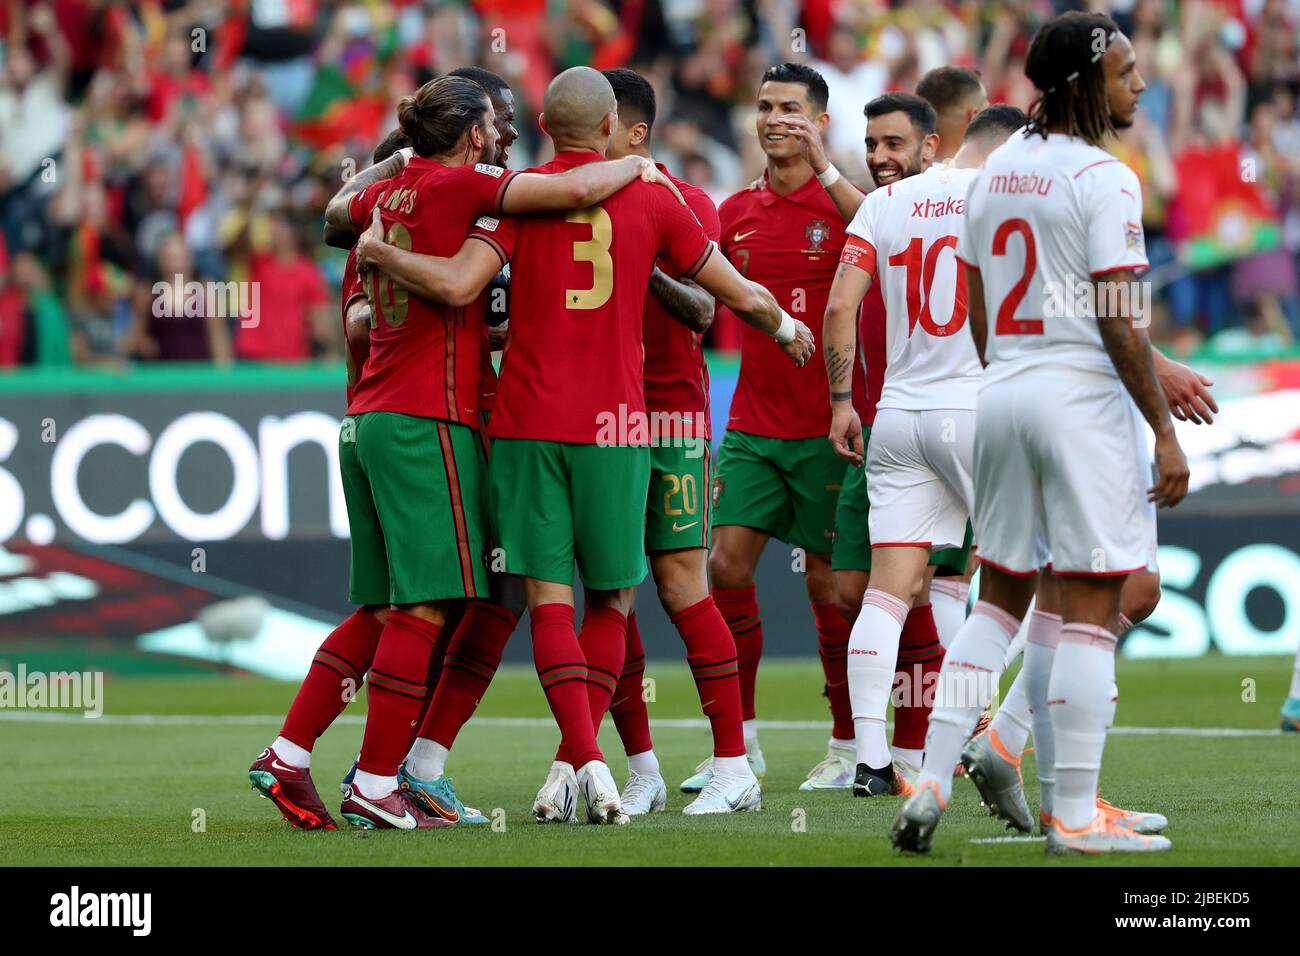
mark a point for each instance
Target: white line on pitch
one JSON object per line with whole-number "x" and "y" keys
{"x": 1009, "y": 839}
{"x": 686, "y": 723}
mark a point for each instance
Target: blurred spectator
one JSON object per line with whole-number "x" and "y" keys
{"x": 203, "y": 138}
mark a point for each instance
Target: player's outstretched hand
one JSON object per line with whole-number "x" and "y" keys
{"x": 1188, "y": 393}
{"x": 802, "y": 347}
{"x": 810, "y": 140}
{"x": 651, "y": 174}
{"x": 846, "y": 433}
{"x": 365, "y": 242}
{"x": 1172, "y": 473}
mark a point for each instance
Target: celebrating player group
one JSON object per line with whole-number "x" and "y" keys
{"x": 959, "y": 416}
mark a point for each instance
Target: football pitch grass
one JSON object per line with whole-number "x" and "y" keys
{"x": 161, "y": 779}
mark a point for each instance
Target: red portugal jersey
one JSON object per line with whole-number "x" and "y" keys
{"x": 790, "y": 244}
{"x": 869, "y": 377}
{"x": 573, "y": 369}
{"x": 425, "y": 358}
{"x": 676, "y": 374}
{"x": 352, "y": 287}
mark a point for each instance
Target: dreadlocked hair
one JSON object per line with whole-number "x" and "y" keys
{"x": 1064, "y": 63}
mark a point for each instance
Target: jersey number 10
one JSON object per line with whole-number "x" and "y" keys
{"x": 921, "y": 268}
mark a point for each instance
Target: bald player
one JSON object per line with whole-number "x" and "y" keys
{"x": 570, "y": 467}
{"x": 956, "y": 94}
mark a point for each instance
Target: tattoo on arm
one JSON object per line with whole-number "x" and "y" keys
{"x": 839, "y": 368}
{"x": 685, "y": 301}
{"x": 1130, "y": 352}
{"x": 336, "y": 213}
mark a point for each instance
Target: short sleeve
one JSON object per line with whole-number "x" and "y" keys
{"x": 966, "y": 244}
{"x": 1114, "y": 209}
{"x": 860, "y": 244}
{"x": 499, "y": 233}
{"x": 682, "y": 241}
{"x": 486, "y": 185}
{"x": 363, "y": 202}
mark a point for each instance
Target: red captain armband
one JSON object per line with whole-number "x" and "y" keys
{"x": 858, "y": 252}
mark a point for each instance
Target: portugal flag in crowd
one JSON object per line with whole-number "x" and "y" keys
{"x": 336, "y": 111}
{"x": 1221, "y": 213}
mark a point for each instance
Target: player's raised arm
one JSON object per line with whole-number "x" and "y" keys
{"x": 1130, "y": 351}
{"x": 581, "y": 186}
{"x": 685, "y": 301}
{"x": 458, "y": 280}
{"x": 846, "y": 196}
{"x": 756, "y": 307}
{"x": 340, "y": 231}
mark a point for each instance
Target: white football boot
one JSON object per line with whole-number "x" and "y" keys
{"x": 700, "y": 779}
{"x": 1102, "y": 835}
{"x": 835, "y": 772}
{"x": 600, "y": 794}
{"x": 726, "y": 793}
{"x": 643, "y": 793}
{"x": 557, "y": 801}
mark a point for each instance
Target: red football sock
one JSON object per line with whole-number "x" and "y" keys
{"x": 711, "y": 652}
{"x": 473, "y": 656}
{"x": 333, "y": 679}
{"x": 562, "y": 670}
{"x": 396, "y": 691}
{"x": 433, "y": 676}
{"x": 631, "y": 716}
{"x": 833, "y": 647}
{"x": 739, "y": 607}
{"x": 919, "y": 655}
{"x": 603, "y": 640}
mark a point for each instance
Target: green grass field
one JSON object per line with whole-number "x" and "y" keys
{"x": 122, "y": 792}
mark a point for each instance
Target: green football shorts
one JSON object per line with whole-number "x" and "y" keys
{"x": 414, "y": 492}
{"x": 784, "y": 486}
{"x": 552, "y": 503}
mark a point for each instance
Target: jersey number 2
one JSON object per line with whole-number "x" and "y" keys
{"x": 596, "y": 251}
{"x": 1007, "y": 323}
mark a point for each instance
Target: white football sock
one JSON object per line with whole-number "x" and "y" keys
{"x": 1083, "y": 708}
{"x": 912, "y": 758}
{"x": 373, "y": 786}
{"x": 646, "y": 762}
{"x": 970, "y": 673}
{"x": 732, "y": 766}
{"x": 1040, "y": 651}
{"x": 290, "y": 753}
{"x": 873, "y": 655}
{"x": 1012, "y": 721}
{"x": 948, "y": 597}
{"x": 1295, "y": 678}
{"x": 1017, "y": 645}
{"x": 749, "y": 730}
{"x": 427, "y": 759}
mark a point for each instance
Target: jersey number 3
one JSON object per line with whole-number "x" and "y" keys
{"x": 596, "y": 251}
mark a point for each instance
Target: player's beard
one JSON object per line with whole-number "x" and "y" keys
{"x": 905, "y": 170}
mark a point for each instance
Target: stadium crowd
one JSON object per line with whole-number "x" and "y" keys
{"x": 148, "y": 140}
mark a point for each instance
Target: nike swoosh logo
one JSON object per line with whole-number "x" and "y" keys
{"x": 404, "y": 822}
{"x": 279, "y": 766}
{"x": 685, "y": 527}
{"x": 742, "y": 236}
{"x": 447, "y": 813}
{"x": 744, "y": 795}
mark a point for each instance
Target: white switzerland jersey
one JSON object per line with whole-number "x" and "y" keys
{"x": 1044, "y": 218}
{"x": 909, "y": 242}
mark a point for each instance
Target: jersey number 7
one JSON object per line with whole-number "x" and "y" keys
{"x": 920, "y": 275}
